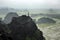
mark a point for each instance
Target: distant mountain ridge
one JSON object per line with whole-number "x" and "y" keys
{"x": 7, "y": 10}
{"x": 9, "y": 17}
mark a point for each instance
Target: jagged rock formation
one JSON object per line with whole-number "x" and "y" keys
{"x": 20, "y": 28}
{"x": 46, "y": 20}
{"x": 9, "y": 17}
{"x": 24, "y": 26}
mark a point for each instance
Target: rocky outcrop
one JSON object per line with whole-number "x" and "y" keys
{"x": 9, "y": 17}
{"x": 24, "y": 26}
{"x": 46, "y": 20}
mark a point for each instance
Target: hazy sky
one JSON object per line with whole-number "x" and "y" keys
{"x": 30, "y": 4}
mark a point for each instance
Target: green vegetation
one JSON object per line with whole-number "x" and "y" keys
{"x": 45, "y": 25}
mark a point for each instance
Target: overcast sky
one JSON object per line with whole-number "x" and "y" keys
{"x": 30, "y": 4}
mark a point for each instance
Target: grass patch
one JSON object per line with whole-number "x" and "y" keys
{"x": 45, "y": 25}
